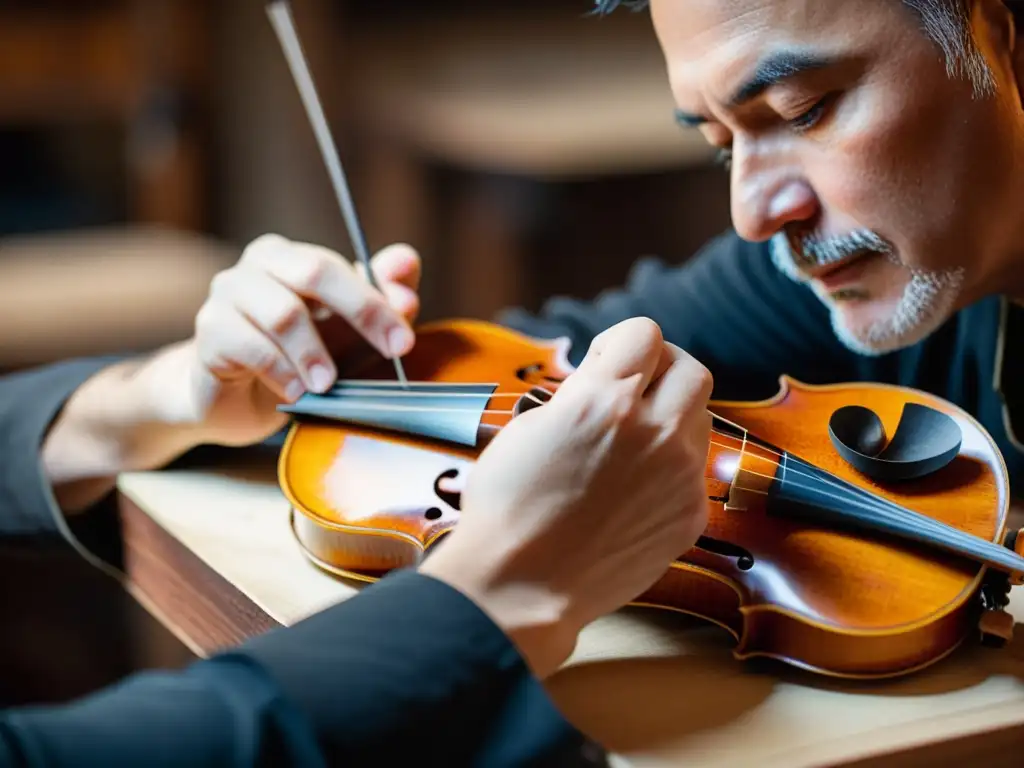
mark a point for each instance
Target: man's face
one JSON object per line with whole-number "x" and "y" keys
{"x": 887, "y": 184}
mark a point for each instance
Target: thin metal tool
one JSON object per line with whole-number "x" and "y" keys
{"x": 280, "y": 15}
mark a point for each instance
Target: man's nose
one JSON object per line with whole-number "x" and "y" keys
{"x": 763, "y": 205}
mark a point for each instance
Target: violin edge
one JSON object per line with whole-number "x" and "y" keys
{"x": 790, "y": 387}
{"x": 822, "y": 651}
{"x": 758, "y": 626}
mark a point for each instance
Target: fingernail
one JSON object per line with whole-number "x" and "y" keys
{"x": 294, "y": 390}
{"x": 399, "y": 340}
{"x": 321, "y": 377}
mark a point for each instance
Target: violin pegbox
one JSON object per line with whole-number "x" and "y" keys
{"x": 926, "y": 440}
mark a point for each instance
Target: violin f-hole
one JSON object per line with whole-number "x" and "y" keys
{"x": 535, "y": 398}
{"x": 744, "y": 559}
{"x": 530, "y": 373}
{"x": 450, "y": 497}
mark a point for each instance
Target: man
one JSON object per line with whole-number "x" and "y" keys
{"x": 876, "y": 159}
{"x": 441, "y": 664}
{"x": 875, "y": 153}
{"x": 875, "y": 150}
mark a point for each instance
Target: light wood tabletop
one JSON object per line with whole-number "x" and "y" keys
{"x": 211, "y": 554}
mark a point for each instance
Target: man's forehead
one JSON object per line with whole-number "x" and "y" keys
{"x": 711, "y": 46}
{"x": 707, "y": 24}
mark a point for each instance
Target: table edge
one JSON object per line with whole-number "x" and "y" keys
{"x": 163, "y": 572}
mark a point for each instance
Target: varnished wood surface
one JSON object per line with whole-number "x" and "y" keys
{"x": 204, "y": 610}
{"x": 824, "y": 594}
{"x": 351, "y": 512}
{"x": 657, "y": 688}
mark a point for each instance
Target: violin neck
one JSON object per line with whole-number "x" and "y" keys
{"x": 803, "y": 490}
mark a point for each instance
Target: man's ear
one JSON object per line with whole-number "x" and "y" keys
{"x": 997, "y": 34}
{"x": 1017, "y": 45}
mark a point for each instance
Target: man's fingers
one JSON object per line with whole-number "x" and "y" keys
{"x": 681, "y": 393}
{"x": 617, "y": 370}
{"x": 284, "y": 319}
{"x": 403, "y": 300}
{"x": 670, "y": 353}
{"x": 630, "y": 347}
{"x": 396, "y": 263}
{"x": 229, "y": 344}
{"x": 320, "y": 274}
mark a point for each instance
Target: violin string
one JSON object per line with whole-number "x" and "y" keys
{"x": 507, "y": 412}
{"x": 865, "y": 500}
{"x": 388, "y": 389}
{"x": 888, "y": 512}
{"x": 404, "y": 393}
{"x": 741, "y": 453}
{"x": 849, "y": 494}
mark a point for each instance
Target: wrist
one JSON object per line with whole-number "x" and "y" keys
{"x": 536, "y": 618}
{"x": 117, "y": 421}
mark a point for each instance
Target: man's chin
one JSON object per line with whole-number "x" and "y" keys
{"x": 886, "y": 310}
{"x": 860, "y": 338}
{"x": 875, "y": 328}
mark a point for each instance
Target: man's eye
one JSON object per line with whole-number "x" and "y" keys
{"x": 810, "y": 118}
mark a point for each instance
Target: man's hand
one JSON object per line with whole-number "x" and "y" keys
{"x": 259, "y": 341}
{"x": 579, "y": 506}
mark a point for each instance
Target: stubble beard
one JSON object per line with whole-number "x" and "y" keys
{"x": 928, "y": 299}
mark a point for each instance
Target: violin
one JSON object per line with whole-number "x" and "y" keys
{"x": 830, "y": 545}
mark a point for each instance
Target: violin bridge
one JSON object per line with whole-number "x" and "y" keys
{"x": 735, "y": 502}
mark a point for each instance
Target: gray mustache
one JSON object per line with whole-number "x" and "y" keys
{"x": 812, "y": 251}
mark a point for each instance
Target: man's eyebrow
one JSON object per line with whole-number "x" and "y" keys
{"x": 771, "y": 70}
{"x": 775, "y": 68}
{"x": 689, "y": 120}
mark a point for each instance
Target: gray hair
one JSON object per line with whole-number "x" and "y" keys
{"x": 946, "y": 22}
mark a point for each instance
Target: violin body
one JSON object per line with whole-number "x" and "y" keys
{"x": 806, "y": 558}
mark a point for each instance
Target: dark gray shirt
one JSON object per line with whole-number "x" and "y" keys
{"x": 748, "y": 324}
{"x": 408, "y": 672}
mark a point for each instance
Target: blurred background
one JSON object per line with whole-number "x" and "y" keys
{"x": 524, "y": 148}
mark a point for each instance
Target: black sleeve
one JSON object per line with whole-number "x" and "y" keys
{"x": 728, "y": 306}
{"x": 407, "y": 672}
{"x": 29, "y": 402}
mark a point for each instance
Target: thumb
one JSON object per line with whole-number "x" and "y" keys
{"x": 629, "y": 347}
